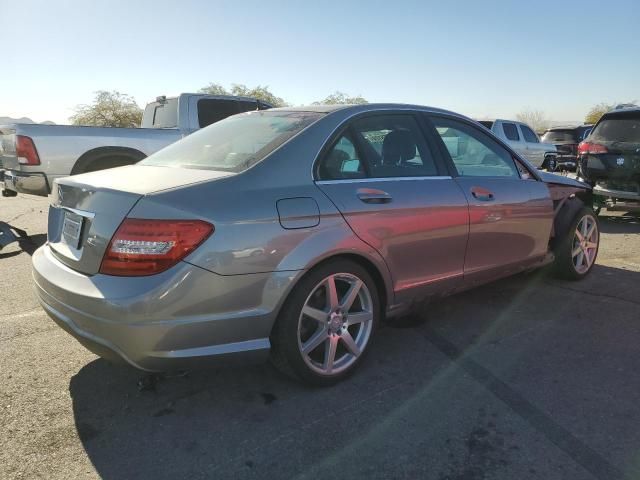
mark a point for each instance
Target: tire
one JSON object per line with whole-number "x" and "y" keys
{"x": 327, "y": 329}
{"x": 575, "y": 257}
{"x": 550, "y": 164}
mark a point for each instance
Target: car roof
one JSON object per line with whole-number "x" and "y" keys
{"x": 366, "y": 107}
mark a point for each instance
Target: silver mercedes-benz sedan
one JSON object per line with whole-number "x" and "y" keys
{"x": 292, "y": 232}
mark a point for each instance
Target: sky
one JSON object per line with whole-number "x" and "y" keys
{"x": 482, "y": 58}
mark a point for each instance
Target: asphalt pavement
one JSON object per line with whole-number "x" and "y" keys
{"x": 529, "y": 377}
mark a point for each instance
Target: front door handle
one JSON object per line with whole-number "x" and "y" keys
{"x": 482, "y": 194}
{"x": 372, "y": 195}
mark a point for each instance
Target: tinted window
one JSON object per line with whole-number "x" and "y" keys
{"x": 341, "y": 162}
{"x": 162, "y": 115}
{"x": 511, "y": 131}
{"x": 245, "y": 106}
{"x": 473, "y": 152}
{"x": 560, "y": 136}
{"x": 233, "y": 144}
{"x": 211, "y": 110}
{"x": 486, "y": 123}
{"x": 529, "y": 136}
{"x": 617, "y": 129}
{"x": 393, "y": 146}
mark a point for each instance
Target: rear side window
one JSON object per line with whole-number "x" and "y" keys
{"x": 486, "y": 123}
{"x": 617, "y": 128}
{"x": 381, "y": 146}
{"x": 211, "y": 110}
{"x": 529, "y": 136}
{"x": 511, "y": 131}
{"x": 235, "y": 143}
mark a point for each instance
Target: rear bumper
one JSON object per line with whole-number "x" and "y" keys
{"x": 29, "y": 183}
{"x": 183, "y": 318}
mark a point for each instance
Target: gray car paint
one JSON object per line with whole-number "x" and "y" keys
{"x": 273, "y": 223}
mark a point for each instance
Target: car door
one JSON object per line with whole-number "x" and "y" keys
{"x": 381, "y": 174}
{"x": 510, "y": 216}
{"x": 535, "y": 149}
{"x": 514, "y": 137}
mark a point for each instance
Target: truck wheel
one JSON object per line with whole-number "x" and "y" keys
{"x": 326, "y": 324}
{"x": 550, "y": 163}
{"x": 577, "y": 251}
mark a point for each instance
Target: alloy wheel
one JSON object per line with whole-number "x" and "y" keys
{"x": 335, "y": 323}
{"x": 585, "y": 244}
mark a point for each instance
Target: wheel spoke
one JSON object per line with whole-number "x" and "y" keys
{"x": 351, "y": 295}
{"x": 592, "y": 229}
{"x": 315, "y": 341}
{"x": 576, "y": 251}
{"x": 359, "y": 317}
{"x": 332, "y": 293}
{"x": 330, "y": 353}
{"x": 580, "y": 259}
{"x": 579, "y": 235}
{"x": 350, "y": 343}
{"x": 592, "y": 245}
{"x": 585, "y": 225}
{"x": 317, "y": 315}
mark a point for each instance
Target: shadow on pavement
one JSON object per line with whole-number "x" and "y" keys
{"x": 416, "y": 408}
{"x": 627, "y": 223}
{"x": 27, "y": 244}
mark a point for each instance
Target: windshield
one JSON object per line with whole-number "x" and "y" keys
{"x": 617, "y": 129}
{"x": 558, "y": 136}
{"x": 235, "y": 143}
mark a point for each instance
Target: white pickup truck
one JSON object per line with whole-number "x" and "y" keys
{"x": 525, "y": 141}
{"x": 34, "y": 155}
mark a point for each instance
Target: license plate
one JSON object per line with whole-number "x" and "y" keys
{"x": 72, "y": 228}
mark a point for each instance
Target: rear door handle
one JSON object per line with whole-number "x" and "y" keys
{"x": 482, "y": 194}
{"x": 372, "y": 195}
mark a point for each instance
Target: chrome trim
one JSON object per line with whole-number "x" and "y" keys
{"x": 382, "y": 179}
{"x": 82, "y": 213}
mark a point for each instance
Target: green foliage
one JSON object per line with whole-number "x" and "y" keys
{"x": 597, "y": 111}
{"x": 109, "y": 109}
{"x": 260, "y": 92}
{"x": 341, "y": 98}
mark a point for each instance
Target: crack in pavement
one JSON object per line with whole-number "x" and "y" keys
{"x": 575, "y": 448}
{"x": 587, "y": 292}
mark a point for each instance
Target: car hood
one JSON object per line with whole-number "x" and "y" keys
{"x": 562, "y": 180}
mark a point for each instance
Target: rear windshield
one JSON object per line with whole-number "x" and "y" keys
{"x": 618, "y": 129}
{"x": 235, "y": 143}
{"x": 486, "y": 123}
{"x": 557, "y": 136}
{"x": 161, "y": 115}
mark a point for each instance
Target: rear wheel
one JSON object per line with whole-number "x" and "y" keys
{"x": 550, "y": 163}
{"x": 576, "y": 254}
{"x": 326, "y": 324}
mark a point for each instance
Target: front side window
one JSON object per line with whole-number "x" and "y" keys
{"x": 528, "y": 134}
{"x": 511, "y": 131}
{"x": 474, "y": 153}
{"x": 235, "y": 143}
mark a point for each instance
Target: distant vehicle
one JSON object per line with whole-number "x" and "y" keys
{"x": 525, "y": 141}
{"x": 610, "y": 158}
{"x": 34, "y": 155}
{"x": 294, "y": 231}
{"x": 566, "y": 140}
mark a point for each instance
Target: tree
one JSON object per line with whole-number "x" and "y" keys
{"x": 536, "y": 119}
{"x": 109, "y": 109}
{"x": 260, "y": 92}
{"x": 596, "y": 112}
{"x": 340, "y": 98}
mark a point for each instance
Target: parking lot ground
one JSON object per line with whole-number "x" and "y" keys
{"x": 529, "y": 377}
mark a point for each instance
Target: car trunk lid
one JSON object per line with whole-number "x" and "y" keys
{"x": 87, "y": 209}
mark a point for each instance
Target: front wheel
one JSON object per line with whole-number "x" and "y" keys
{"x": 576, "y": 254}
{"x": 326, "y": 324}
{"x": 550, "y": 163}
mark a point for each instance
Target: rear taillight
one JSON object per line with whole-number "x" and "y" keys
{"x": 145, "y": 247}
{"x": 26, "y": 151}
{"x": 589, "y": 148}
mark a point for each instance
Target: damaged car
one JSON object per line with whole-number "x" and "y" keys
{"x": 291, "y": 233}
